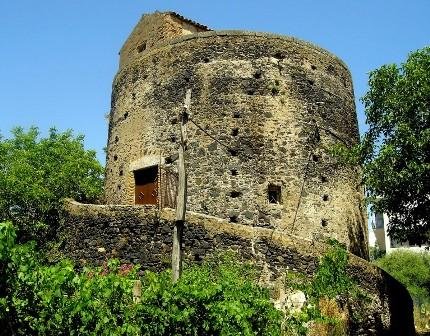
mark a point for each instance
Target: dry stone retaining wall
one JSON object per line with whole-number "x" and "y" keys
{"x": 93, "y": 233}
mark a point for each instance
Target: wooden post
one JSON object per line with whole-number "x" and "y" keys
{"x": 181, "y": 199}
{"x": 137, "y": 291}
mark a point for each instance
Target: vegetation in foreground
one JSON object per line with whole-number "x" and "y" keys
{"x": 216, "y": 298}
{"x": 412, "y": 269}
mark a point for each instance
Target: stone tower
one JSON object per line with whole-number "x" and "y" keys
{"x": 266, "y": 110}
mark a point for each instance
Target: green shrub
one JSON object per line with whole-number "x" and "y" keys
{"x": 217, "y": 298}
{"x": 412, "y": 269}
{"x": 330, "y": 288}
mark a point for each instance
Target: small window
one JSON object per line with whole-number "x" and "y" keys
{"x": 274, "y": 194}
{"x": 235, "y": 194}
{"x": 233, "y": 219}
{"x": 232, "y": 151}
{"x": 379, "y": 220}
{"x": 141, "y": 47}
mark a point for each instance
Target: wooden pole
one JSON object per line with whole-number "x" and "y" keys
{"x": 181, "y": 199}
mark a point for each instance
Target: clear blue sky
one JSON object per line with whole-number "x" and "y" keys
{"x": 58, "y": 58}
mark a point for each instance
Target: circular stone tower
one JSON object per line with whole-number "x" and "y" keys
{"x": 266, "y": 110}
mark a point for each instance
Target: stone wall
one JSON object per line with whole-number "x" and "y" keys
{"x": 275, "y": 104}
{"x": 92, "y": 233}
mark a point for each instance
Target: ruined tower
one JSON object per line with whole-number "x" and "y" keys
{"x": 266, "y": 110}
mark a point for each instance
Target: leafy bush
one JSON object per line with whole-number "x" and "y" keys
{"x": 330, "y": 289}
{"x": 217, "y": 298}
{"x": 412, "y": 269}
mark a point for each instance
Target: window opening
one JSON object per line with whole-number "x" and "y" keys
{"x": 235, "y": 194}
{"x": 274, "y": 194}
{"x": 232, "y": 151}
{"x": 233, "y": 219}
{"x": 141, "y": 47}
{"x": 379, "y": 220}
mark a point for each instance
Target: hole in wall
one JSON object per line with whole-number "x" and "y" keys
{"x": 206, "y": 60}
{"x": 115, "y": 157}
{"x": 324, "y": 222}
{"x": 234, "y": 131}
{"x": 141, "y": 47}
{"x": 172, "y": 138}
{"x": 323, "y": 179}
{"x": 236, "y": 115}
{"x": 313, "y": 67}
{"x": 274, "y": 90}
{"x": 232, "y": 151}
{"x": 250, "y": 92}
{"x": 119, "y": 187}
{"x": 279, "y": 55}
{"x": 311, "y": 82}
{"x": 234, "y": 172}
{"x": 235, "y": 194}
{"x": 274, "y": 194}
{"x": 133, "y": 96}
{"x": 325, "y": 197}
{"x": 315, "y": 158}
{"x": 233, "y": 219}
{"x": 121, "y": 172}
{"x": 257, "y": 74}
{"x": 125, "y": 115}
{"x": 116, "y": 139}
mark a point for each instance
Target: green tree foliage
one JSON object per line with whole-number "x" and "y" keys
{"x": 412, "y": 269}
{"x": 216, "y": 298}
{"x": 36, "y": 173}
{"x": 219, "y": 297}
{"x": 395, "y": 151}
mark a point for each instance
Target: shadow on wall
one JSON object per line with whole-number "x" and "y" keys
{"x": 356, "y": 238}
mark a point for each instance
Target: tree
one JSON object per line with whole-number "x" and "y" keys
{"x": 395, "y": 150}
{"x": 37, "y": 173}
